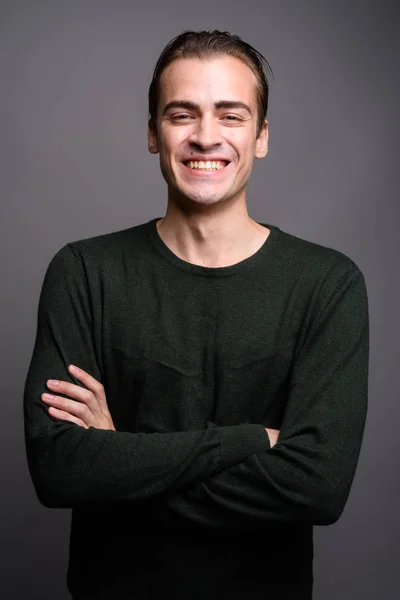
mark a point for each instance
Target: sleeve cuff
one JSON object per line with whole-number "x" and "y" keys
{"x": 238, "y": 442}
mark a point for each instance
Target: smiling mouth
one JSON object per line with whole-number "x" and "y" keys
{"x": 208, "y": 165}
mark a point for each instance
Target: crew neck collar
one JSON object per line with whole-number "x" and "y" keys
{"x": 245, "y": 264}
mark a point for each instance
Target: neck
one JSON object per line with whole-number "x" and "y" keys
{"x": 212, "y": 240}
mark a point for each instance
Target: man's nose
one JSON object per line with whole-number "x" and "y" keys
{"x": 206, "y": 133}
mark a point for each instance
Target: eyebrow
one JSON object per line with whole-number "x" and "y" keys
{"x": 228, "y": 104}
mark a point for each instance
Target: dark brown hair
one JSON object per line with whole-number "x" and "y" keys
{"x": 203, "y": 44}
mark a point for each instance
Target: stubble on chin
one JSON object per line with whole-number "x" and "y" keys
{"x": 184, "y": 195}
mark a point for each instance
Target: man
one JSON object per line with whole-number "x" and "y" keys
{"x": 220, "y": 405}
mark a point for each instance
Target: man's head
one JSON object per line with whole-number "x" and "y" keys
{"x": 208, "y": 100}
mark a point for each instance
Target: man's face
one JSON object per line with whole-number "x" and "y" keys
{"x": 207, "y": 111}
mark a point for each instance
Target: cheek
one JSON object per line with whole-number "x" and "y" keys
{"x": 172, "y": 138}
{"x": 165, "y": 157}
{"x": 246, "y": 157}
{"x": 243, "y": 143}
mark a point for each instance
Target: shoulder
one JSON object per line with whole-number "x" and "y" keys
{"x": 313, "y": 260}
{"x": 111, "y": 243}
{"x": 321, "y": 280}
{"x": 103, "y": 250}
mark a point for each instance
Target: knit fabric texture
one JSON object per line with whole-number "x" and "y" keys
{"x": 187, "y": 498}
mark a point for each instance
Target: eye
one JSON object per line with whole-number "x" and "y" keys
{"x": 181, "y": 117}
{"x": 232, "y": 118}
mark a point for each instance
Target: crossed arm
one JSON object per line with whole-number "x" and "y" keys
{"x": 213, "y": 475}
{"x": 87, "y": 407}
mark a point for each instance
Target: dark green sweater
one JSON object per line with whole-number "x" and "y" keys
{"x": 187, "y": 497}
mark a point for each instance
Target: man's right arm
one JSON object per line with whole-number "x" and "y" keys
{"x": 70, "y": 465}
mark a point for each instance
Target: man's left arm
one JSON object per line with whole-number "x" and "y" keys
{"x": 307, "y": 475}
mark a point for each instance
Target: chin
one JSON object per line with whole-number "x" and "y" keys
{"x": 204, "y": 197}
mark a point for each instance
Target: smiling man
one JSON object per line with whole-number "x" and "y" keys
{"x": 216, "y": 410}
{"x": 207, "y": 129}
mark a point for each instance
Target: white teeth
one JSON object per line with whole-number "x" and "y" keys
{"x": 211, "y": 165}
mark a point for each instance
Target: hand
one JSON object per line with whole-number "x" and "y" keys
{"x": 273, "y": 435}
{"x": 90, "y": 410}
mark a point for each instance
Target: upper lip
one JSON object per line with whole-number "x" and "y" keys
{"x": 198, "y": 157}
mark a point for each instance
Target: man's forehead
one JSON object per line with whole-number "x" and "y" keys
{"x": 221, "y": 77}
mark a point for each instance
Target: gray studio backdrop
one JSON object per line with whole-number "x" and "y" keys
{"x": 74, "y": 163}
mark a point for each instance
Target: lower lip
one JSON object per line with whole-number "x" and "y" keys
{"x": 204, "y": 172}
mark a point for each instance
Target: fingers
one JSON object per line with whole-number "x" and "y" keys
{"x": 65, "y": 416}
{"x": 92, "y": 394}
{"x": 85, "y": 406}
{"x": 69, "y": 389}
{"x": 96, "y": 387}
{"x": 90, "y": 382}
{"x": 77, "y": 410}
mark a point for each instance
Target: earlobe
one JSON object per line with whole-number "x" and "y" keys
{"x": 152, "y": 138}
{"x": 153, "y": 149}
{"x": 262, "y": 142}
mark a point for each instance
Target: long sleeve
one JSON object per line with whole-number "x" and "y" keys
{"x": 307, "y": 475}
{"x": 70, "y": 465}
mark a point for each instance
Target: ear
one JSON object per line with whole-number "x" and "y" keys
{"x": 152, "y": 137}
{"x": 262, "y": 142}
